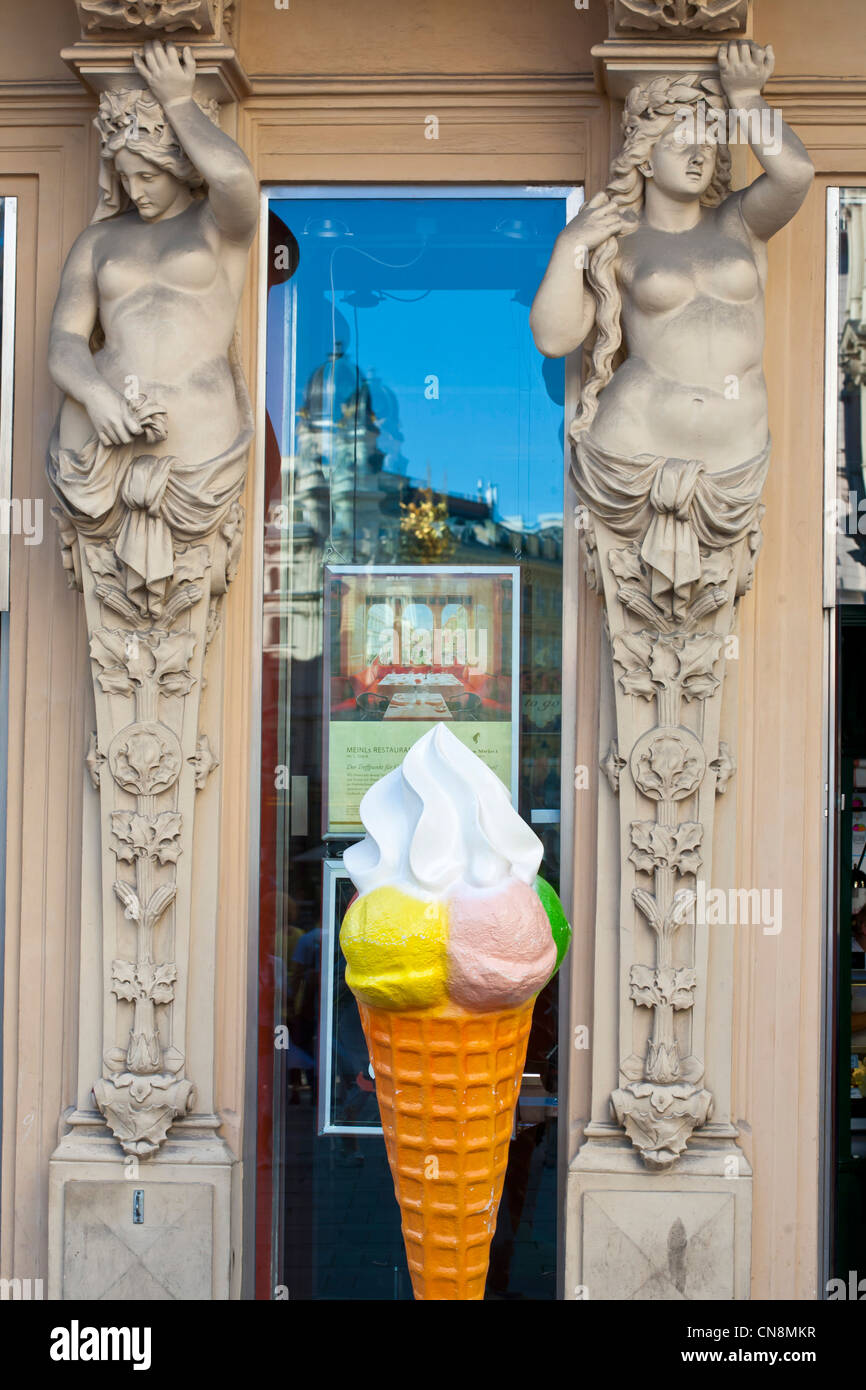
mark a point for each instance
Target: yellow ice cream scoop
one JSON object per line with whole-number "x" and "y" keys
{"x": 395, "y": 947}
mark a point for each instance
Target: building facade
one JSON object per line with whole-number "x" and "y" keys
{"x": 187, "y": 1106}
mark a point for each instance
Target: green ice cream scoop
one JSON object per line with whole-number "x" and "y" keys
{"x": 559, "y": 927}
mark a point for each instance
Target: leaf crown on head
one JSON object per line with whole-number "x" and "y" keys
{"x": 665, "y": 95}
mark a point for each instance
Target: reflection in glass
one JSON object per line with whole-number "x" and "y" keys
{"x": 851, "y": 418}
{"x": 8, "y": 239}
{"x": 410, "y": 422}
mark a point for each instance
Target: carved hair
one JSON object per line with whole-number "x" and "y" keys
{"x": 648, "y": 112}
{"x": 134, "y": 120}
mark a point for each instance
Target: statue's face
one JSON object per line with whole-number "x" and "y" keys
{"x": 681, "y": 168}
{"x": 155, "y": 192}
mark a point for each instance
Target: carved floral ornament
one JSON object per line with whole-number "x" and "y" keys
{"x": 680, "y": 16}
{"x": 153, "y": 16}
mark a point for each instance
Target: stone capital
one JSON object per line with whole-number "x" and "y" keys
{"x": 648, "y": 38}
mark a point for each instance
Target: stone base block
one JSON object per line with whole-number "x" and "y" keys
{"x": 142, "y": 1230}
{"x": 636, "y": 1235}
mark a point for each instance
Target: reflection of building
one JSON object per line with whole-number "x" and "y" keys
{"x": 851, "y": 483}
{"x": 342, "y": 492}
{"x": 339, "y": 501}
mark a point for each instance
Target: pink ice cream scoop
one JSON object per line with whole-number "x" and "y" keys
{"x": 500, "y": 948}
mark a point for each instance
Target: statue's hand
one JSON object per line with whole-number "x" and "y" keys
{"x": 597, "y": 220}
{"x": 743, "y": 69}
{"x": 167, "y": 77}
{"x": 111, "y": 415}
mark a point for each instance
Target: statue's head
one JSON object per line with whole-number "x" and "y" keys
{"x": 669, "y": 127}
{"x": 142, "y": 163}
{"x": 670, "y": 135}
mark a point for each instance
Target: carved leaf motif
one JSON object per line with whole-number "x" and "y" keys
{"x": 190, "y": 563}
{"x": 102, "y": 560}
{"x": 697, "y": 657}
{"x": 677, "y": 986}
{"x": 668, "y": 769}
{"x": 715, "y": 566}
{"x": 157, "y": 981}
{"x": 135, "y": 836}
{"x": 612, "y": 765}
{"x": 665, "y": 664}
{"x": 95, "y": 762}
{"x": 108, "y": 648}
{"x": 723, "y": 766}
{"x": 124, "y": 657}
{"x": 674, "y": 847}
{"x": 642, "y": 986}
{"x": 652, "y": 845}
{"x": 172, "y": 656}
{"x": 166, "y": 836}
{"x": 686, "y": 841}
{"x": 633, "y": 651}
{"x": 124, "y": 982}
{"x": 625, "y": 563}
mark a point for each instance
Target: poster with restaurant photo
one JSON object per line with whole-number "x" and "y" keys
{"x": 405, "y": 648}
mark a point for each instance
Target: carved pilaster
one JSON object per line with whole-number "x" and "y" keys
{"x": 148, "y": 462}
{"x": 148, "y": 761}
{"x": 669, "y": 609}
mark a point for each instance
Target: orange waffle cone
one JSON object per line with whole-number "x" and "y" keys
{"x": 447, "y": 1082}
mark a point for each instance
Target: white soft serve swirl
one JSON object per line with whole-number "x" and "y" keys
{"x": 440, "y": 818}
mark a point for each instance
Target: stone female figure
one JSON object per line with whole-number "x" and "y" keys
{"x": 670, "y": 452}
{"x": 669, "y": 266}
{"x": 147, "y": 461}
{"x": 151, "y": 442}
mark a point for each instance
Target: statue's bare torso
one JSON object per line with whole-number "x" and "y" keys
{"x": 182, "y": 274}
{"x": 692, "y": 384}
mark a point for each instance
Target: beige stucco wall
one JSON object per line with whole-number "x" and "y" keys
{"x": 340, "y": 93}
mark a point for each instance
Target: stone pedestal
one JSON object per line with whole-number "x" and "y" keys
{"x": 667, "y": 1237}
{"x": 123, "y": 1229}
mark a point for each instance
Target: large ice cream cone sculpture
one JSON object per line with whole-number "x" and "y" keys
{"x": 447, "y": 946}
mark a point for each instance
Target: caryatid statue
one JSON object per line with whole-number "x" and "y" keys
{"x": 148, "y": 461}
{"x": 670, "y": 451}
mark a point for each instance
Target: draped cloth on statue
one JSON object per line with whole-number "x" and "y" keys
{"x": 145, "y": 502}
{"x": 676, "y": 505}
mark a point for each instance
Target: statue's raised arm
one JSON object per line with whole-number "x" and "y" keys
{"x": 232, "y": 191}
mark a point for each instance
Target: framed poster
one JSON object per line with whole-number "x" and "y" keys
{"x": 347, "y": 1092}
{"x": 405, "y": 648}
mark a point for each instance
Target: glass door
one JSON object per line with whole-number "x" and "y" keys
{"x": 412, "y": 564}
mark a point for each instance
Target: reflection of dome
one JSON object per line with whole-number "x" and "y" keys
{"x": 387, "y": 411}
{"x": 359, "y": 407}
{"x": 385, "y": 404}
{"x": 329, "y": 388}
